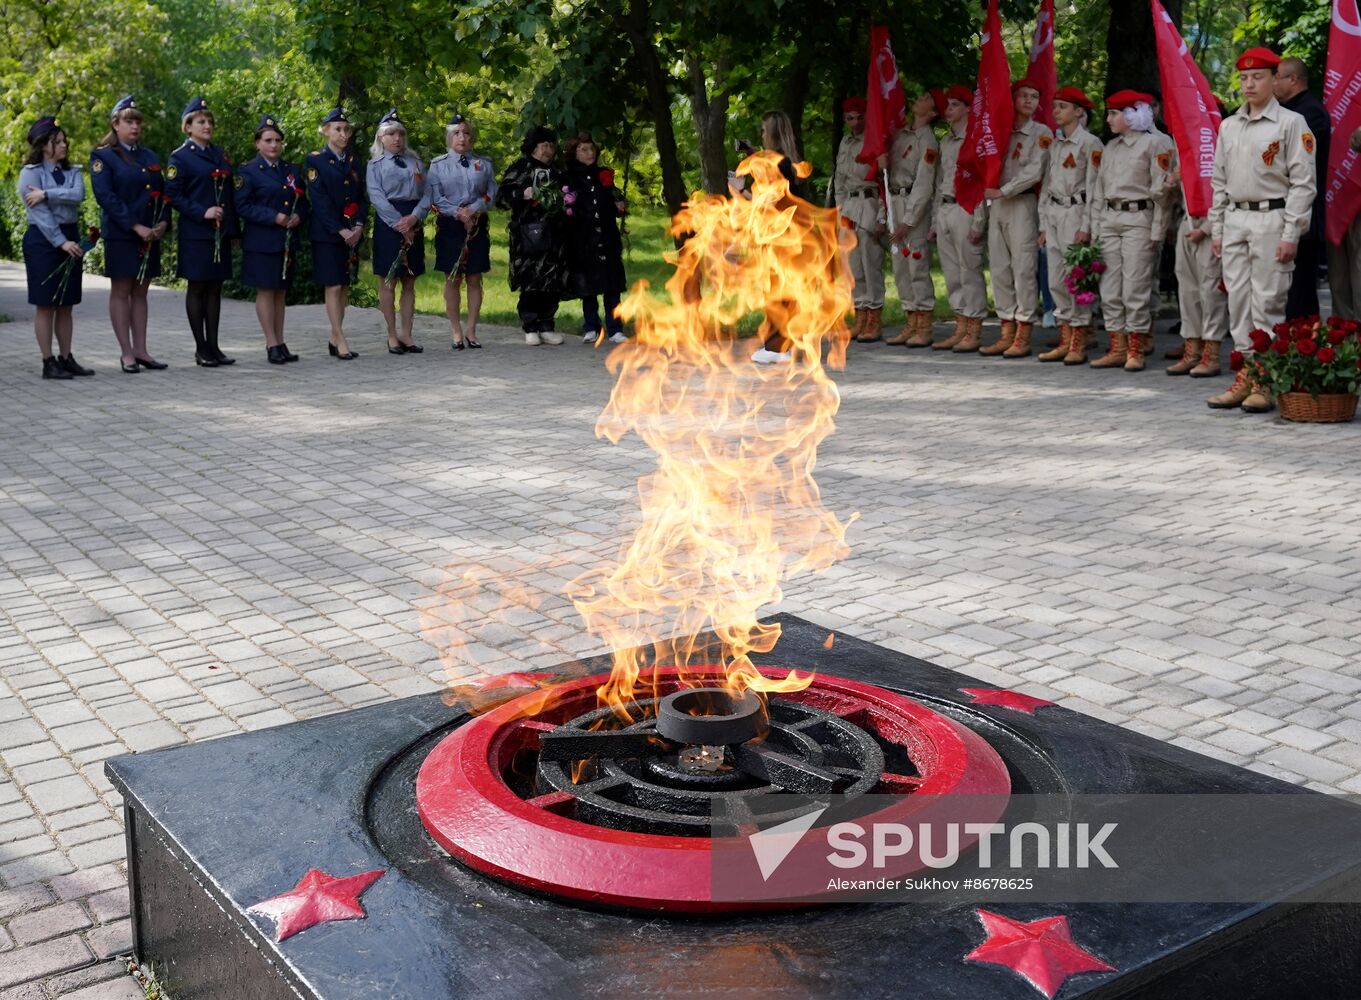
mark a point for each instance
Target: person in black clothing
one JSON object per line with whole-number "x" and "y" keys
{"x": 532, "y": 190}
{"x": 595, "y": 250}
{"x": 1291, "y": 88}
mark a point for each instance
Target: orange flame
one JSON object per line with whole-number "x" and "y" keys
{"x": 732, "y": 508}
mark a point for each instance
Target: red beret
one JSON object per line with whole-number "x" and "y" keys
{"x": 1074, "y": 95}
{"x": 1025, "y": 81}
{"x": 854, "y": 104}
{"x": 938, "y": 96}
{"x": 1122, "y": 99}
{"x": 959, "y": 92}
{"x": 1258, "y": 59}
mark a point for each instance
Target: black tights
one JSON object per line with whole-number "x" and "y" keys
{"x": 203, "y": 303}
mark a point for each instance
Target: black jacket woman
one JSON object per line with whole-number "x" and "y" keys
{"x": 532, "y": 190}
{"x": 595, "y": 249}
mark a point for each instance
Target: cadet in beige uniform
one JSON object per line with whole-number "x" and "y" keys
{"x": 1131, "y": 201}
{"x": 1200, "y": 294}
{"x": 1066, "y": 216}
{"x": 911, "y": 165}
{"x": 857, "y": 199}
{"x": 959, "y": 234}
{"x": 1014, "y": 226}
{"x": 1264, "y": 186}
{"x": 1344, "y": 262}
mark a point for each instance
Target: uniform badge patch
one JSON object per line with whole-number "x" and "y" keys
{"x": 1096, "y": 157}
{"x": 1270, "y": 153}
{"x": 311, "y": 173}
{"x": 1165, "y": 161}
{"x": 1016, "y": 153}
{"x": 239, "y": 181}
{"x": 97, "y": 166}
{"x": 929, "y": 156}
{"x": 172, "y": 171}
{"x": 1069, "y": 161}
{"x": 1046, "y": 142}
{"x": 1308, "y": 139}
{"x": 477, "y": 164}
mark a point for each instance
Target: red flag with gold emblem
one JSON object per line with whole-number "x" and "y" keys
{"x": 1042, "y": 70}
{"x": 980, "y": 158}
{"x": 1190, "y": 111}
{"x": 1342, "y": 98}
{"x": 885, "y": 106}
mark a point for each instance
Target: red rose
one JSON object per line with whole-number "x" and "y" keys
{"x": 1326, "y": 355}
{"x": 1281, "y": 346}
{"x": 607, "y": 178}
{"x": 1336, "y": 336}
{"x": 1306, "y": 346}
{"x": 1236, "y": 360}
{"x": 1280, "y": 329}
{"x": 1260, "y": 340}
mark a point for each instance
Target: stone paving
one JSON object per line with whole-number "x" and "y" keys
{"x": 194, "y": 553}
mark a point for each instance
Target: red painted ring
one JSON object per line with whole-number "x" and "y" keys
{"x": 469, "y": 810}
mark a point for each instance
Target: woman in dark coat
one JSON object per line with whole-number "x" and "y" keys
{"x": 532, "y": 190}
{"x": 198, "y": 179}
{"x": 595, "y": 250}
{"x": 271, "y": 202}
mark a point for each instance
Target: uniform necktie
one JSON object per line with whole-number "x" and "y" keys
{"x": 462, "y": 159}
{"x": 58, "y": 175}
{"x": 399, "y": 161}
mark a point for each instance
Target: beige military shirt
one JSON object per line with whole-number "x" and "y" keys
{"x": 912, "y": 175}
{"x": 950, "y": 145}
{"x": 857, "y": 199}
{"x": 1134, "y": 167}
{"x": 1023, "y": 167}
{"x": 1262, "y": 158}
{"x": 1074, "y": 162}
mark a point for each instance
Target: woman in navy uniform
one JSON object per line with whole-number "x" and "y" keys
{"x": 127, "y": 183}
{"x": 271, "y": 203}
{"x": 396, "y": 188}
{"x": 199, "y": 183}
{"x": 339, "y": 207}
{"x": 595, "y": 249}
{"x": 462, "y": 186}
{"x": 532, "y": 190}
{"x": 52, "y": 190}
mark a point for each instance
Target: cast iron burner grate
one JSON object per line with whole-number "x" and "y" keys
{"x": 636, "y": 828}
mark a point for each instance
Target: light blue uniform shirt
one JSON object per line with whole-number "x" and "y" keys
{"x": 62, "y": 204}
{"x": 461, "y": 179}
{"x": 389, "y": 182}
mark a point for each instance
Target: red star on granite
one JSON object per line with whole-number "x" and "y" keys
{"x": 1042, "y": 952}
{"x": 318, "y": 898}
{"x": 1006, "y": 699}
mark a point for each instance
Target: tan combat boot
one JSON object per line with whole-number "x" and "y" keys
{"x": 906, "y": 333}
{"x": 1235, "y": 395}
{"x": 872, "y": 331}
{"x": 973, "y": 336}
{"x": 1136, "y": 345}
{"x": 859, "y": 326}
{"x": 923, "y": 335}
{"x": 956, "y": 335}
{"x": 1259, "y": 400}
{"x": 1190, "y": 357}
{"x": 1003, "y": 341}
{"x": 1208, "y": 365}
{"x": 1077, "y": 348}
{"x": 1065, "y": 342}
{"x": 1177, "y": 352}
{"x": 1020, "y": 345}
{"x": 1116, "y": 354}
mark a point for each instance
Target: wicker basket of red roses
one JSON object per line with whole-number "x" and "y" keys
{"x": 1313, "y": 367}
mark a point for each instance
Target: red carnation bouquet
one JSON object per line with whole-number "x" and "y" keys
{"x": 64, "y": 269}
{"x": 350, "y": 212}
{"x": 219, "y": 177}
{"x": 160, "y": 205}
{"x": 1305, "y": 355}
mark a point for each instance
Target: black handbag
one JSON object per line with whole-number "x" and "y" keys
{"x": 535, "y": 239}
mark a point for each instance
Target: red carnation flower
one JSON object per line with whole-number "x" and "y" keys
{"x": 155, "y": 168}
{"x": 1260, "y": 340}
{"x": 607, "y": 177}
{"x": 916, "y": 255}
{"x": 1235, "y": 360}
{"x": 350, "y": 210}
{"x": 1326, "y": 355}
{"x": 1306, "y": 346}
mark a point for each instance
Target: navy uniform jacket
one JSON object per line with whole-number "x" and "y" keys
{"x": 334, "y": 181}
{"x": 123, "y": 181}
{"x": 193, "y": 190}
{"x": 262, "y": 192}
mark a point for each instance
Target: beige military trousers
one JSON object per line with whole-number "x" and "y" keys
{"x": 1127, "y": 284}
{"x": 1200, "y": 287}
{"x": 1062, "y": 224}
{"x": 1014, "y": 254}
{"x": 962, "y": 262}
{"x": 1344, "y": 272}
{"x": 867, "y": 269}
{"x": 912, "y": 272}
{"x": 1258, "y": 284}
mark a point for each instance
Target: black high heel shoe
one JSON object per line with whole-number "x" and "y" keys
{"x": 414, "y": 348}
{"x": 347, "y": 356}
{"x": 203, "y": 361}
{"x": 474, "y": 344}
{"x": 399, "y": 349}
{"x": 155, "y": 366}
{"x": 131, "y": 369}
{"x": 457, "y": 345}
{"x": 286, "y": 354}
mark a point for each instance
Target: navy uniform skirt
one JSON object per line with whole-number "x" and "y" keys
{"x": 195, "y": 262}
{"x": 266, "y": 270}
{"x": 123, "y": 259}
{"x": 41, "y": 263}
{"x": 387, "y": 246}
{"x": 450, "y": 237}
{"x": 331, "y": 264}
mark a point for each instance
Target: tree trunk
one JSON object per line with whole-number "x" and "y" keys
{"x": 637, "y": 26}
{"x": 1131, "y": 52}
{"x": 353, "y": 91}
{"x": 794, "y": 92}
{"x": 710, "y": 115}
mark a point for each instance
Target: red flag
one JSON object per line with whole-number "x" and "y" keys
{"x": 1042, "y": 71}
{"x": 980, "y": 159}
{"x": 1190, "y": 111}
{"x": 1342, "y": 98}
{"x": 885, "y": 106}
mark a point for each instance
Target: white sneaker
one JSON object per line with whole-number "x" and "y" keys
{"x": 588, "y": 337}
{"x": 1048, "y": 321}
{"x": 549, "y": 337}
{"x": 619, "y": 338}
{"x": 532, "y": 339}
{"x": 764, "y": 357}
